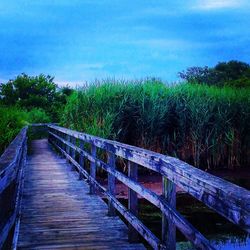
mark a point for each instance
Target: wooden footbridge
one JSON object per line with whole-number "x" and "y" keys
{"x": 45, "y": 204}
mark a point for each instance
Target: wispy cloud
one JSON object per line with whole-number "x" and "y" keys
{"x": 218, "y": 4}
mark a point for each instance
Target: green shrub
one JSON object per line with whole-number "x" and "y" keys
{"x": 12, "y": 119}
{"x": 37, "y": 115}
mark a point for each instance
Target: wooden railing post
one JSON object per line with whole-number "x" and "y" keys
{"x": 73, "y": 152}
{"x": 49, "y": 135}
{"x": 64, "y": 146}
{"x": 111, "y": 183}
{"x": 61, "y": 143}
{"x": 168, "y": 226}
{"x": 81, "y": 159}
{"x": 92, "y": 169}
{"x": 132, "y": 201}
{"x": 67, "y": 146}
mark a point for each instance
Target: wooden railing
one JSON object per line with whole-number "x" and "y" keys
{"x": 12, "y": 164}
{"x": 225, "y": 198}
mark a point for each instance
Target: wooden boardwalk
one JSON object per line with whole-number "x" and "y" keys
{"x": 50, "y": 208}
{"x": 57, "y": 211}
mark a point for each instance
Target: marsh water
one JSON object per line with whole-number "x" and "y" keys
{"x": 222, "y": 234}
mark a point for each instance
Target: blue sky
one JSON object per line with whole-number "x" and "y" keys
{"x": 83, "y": 40}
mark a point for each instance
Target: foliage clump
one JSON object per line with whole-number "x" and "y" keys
{"x": 26, "y": 100}
{"x": 39, "y": 92}
{"x": 232, "y": 73}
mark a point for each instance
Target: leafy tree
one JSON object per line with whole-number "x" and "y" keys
{"x": 199, "y": 75}
{"x": 39, "y": 92}
{"x": 232, "y": 70}
{"x": 28, "y": 92}
{"x": 233, "y": 73}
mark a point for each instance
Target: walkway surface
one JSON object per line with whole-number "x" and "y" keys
{"x": 58, "y": 212}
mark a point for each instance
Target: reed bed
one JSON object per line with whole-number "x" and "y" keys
{"x": 206, "y": 126}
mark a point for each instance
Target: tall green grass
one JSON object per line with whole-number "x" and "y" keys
{"x": 203, "y": 125}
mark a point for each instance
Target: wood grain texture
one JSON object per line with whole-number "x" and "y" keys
{"x": 133, "y": 220}
{"x": 227, "y": 199}
{"x": 59, "y": 213}
{"x": 183, "y": 225}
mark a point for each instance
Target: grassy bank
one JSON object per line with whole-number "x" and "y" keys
{"x": 204, "y": 125}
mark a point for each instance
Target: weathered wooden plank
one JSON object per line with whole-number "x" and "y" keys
{"x": 227, "y": 199}
{"x": 61, "y": 213}
{"x": 133, "y": 220}
{"x": 183, "y": 225}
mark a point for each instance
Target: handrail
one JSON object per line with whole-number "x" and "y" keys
{"x": 12, "y": 163}
{"x": 225, "y": 198}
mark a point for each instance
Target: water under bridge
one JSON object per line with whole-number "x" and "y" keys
{"x": 49, "y": 198}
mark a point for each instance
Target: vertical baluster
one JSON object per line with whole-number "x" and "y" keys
{"x": 67, "y": 146}
{"x": 53, "y": 138}
{"x": 81, "y": 159}
{"x": 59, "y": 141}
{"x": 132, "y": 201}
{"x": 56, "y": 140}
{"x": 72, "y": 151}
{"x": 49, "y": 135}
{"x": 92, "y": 169}
{"x": 168, "y": 227}
{"x": 111, "y": 183}
{"x": 73, "y": 141}
{"x": 64, "y": 137}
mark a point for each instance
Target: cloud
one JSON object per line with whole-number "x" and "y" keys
{"x": 218, "y": 4}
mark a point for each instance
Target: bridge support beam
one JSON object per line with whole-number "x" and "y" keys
{"x": 81, "y": 160}
{"x": 133, "y": 235}
{"x": 72, "y": 150}
{"x": 67, "y": 146}
{"x": 92, "y": 169}
{"x": 111, "y": 184}
{"x": 168, "y": 226}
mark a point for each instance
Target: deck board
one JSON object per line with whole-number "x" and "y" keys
{"x": 59, "y": 213}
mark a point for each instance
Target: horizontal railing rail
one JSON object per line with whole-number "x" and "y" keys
{"x": 12, "y": 164}
{"x": 225, "y": 198}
